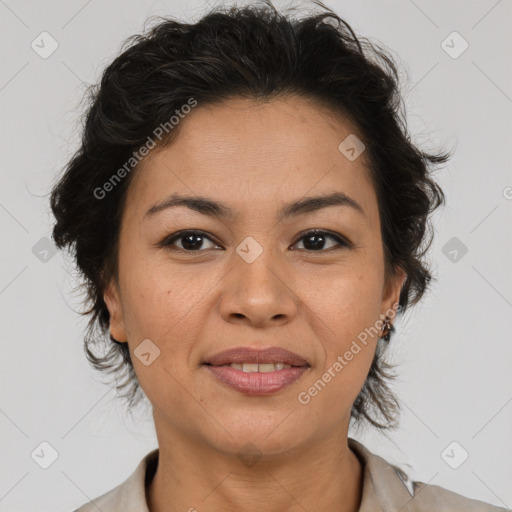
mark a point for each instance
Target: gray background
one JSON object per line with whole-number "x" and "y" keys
{"x": 454, "y": 350}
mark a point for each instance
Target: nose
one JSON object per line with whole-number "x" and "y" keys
{"x": 259, "y": 293}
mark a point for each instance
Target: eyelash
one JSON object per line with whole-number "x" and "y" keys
{"x": 342, "y": 242}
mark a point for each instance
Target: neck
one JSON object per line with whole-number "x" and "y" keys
{"x": 325, "y": 476}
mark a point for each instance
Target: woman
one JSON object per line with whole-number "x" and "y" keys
{"x": 249, "y": 214}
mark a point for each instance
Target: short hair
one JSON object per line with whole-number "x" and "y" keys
{"x": 253, "y": 52}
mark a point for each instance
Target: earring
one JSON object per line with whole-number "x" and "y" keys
{"x": 388, "y": 328}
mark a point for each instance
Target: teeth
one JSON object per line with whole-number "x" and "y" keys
{"x": 268, "y": 367}
{"x": 262, "y": 368}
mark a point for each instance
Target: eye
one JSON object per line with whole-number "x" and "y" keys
{"x": 315, "y": 240}
{"x": 191, "y": 240}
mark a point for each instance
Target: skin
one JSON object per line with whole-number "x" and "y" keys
{"x": 253, "y": 156}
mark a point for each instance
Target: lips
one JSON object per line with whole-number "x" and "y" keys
{"x": 256, "y": 356}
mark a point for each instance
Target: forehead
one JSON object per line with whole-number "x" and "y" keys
{"x": 248, "y": 152}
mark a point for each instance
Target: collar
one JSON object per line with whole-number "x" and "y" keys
{"x": 385, "y": 489}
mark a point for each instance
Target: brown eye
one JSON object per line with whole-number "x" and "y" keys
{"x": 191, "y": 241}
{"x": 316, "y": 240}
{"x": 313, "y": 241}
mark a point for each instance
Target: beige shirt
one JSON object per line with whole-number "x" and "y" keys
{"x": 385, "y": 489}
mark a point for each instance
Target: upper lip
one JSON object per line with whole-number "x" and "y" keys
{"x": 256, "y": 355}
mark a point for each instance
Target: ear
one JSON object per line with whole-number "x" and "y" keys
{"x": 111, "y": 298}
{"x": 392, "y": 289}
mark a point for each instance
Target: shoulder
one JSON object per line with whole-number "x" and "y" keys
{"x": 386, "y": 488}
{"x": 433, "y": 497}
{"x": 130, "y": 495}
{"x": 108, "y": 502}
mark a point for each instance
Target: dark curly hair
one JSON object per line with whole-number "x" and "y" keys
{"x": 250, "y": 52}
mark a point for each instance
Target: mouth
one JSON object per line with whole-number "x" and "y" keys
{"x": 257, "y": 367}
{"x": 256, "y": 371}
{"x": 257, "y": 360}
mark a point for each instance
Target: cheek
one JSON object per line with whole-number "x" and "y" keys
{"x": 160, "y": 307}
{"x": 168, "y": 308}
{"x": 160, "y": 300}
{"x": 350, "y": 309}
{"x": 348, "y": 300}
{"x": 349, "y": 305}
{"x": 146, "y": 309}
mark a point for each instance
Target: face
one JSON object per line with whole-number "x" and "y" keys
{"x": 250, "y": 274}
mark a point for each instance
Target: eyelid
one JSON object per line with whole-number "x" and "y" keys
{"x": 170, "y": 239}
{"x": 342, "y": 241}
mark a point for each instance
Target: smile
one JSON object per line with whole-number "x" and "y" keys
{"x": 256, "y": 379}
{"x": 262, "y": 368}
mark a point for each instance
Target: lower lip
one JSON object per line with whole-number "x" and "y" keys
{"x": 256, "y": 383}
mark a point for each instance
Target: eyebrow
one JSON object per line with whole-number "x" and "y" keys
{"x": 213, "y": 208}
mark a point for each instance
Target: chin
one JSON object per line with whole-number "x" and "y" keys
{"x": 270, "y": 435}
